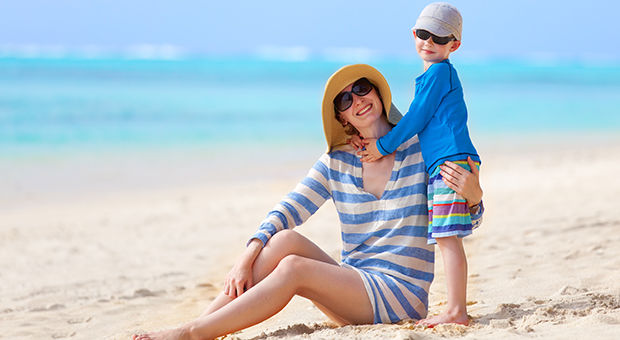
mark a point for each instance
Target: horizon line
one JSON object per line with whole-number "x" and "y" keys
{"x": 293, "y": 54}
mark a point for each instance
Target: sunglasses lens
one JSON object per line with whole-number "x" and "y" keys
{"x": 361, "y": 87}
{"x": 343, "y": 101}
{"x": 441, "y": 40}
{"x": 423, "y": 34}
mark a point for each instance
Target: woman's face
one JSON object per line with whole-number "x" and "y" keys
{"x": 364, "y": 111}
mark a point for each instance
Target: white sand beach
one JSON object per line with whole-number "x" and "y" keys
{"x": 101, "y": 247}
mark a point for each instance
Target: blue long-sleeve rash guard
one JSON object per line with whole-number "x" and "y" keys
{"x": 438, "y": 116}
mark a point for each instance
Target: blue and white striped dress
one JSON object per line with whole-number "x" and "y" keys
{"x": 385, "y": 239}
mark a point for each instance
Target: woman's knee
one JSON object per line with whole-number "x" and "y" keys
{"x": 285, "y": 240}
{"x": 291, "y": 267}
{"x": 281, "y": 245}
{"x": 285, "y": 235}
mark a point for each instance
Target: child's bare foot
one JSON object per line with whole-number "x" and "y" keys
{"x": 445, "y": 317}
{"x": 170, "y": 334}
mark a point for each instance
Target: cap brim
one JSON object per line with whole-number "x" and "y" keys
{"x": 434, "y": 26}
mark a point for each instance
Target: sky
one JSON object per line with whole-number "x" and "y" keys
{"x": 553, "y": 29}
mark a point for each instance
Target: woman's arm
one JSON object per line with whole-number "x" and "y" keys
{"x": 239, "y": 279}
{"x": 465, "y": 183}
{"x": 292, "y": 211}
{"x": 299, "y": 204}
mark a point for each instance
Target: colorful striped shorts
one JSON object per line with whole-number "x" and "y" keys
{"x": 448, "y": 213}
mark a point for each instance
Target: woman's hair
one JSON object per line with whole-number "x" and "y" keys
{"x": 350, "y": 129}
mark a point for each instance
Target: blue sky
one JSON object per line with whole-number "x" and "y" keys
{"x": 526, "y": 28}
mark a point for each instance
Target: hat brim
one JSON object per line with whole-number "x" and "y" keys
{"x": 334, "y": 131}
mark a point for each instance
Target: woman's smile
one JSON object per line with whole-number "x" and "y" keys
{"x": 364, "y": 110}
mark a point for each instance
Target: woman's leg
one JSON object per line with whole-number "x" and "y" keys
{"x": 282, "y": 244}
{"x": 344, "y": 296}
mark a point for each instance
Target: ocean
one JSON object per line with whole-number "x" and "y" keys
{"x": 63, "y": 104}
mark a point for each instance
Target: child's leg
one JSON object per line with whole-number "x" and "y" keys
{"x": 455, "y": 267}
{"x": 449, "y": 221}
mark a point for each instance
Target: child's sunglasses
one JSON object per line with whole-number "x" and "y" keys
{"x": 344, "y": 100}
{"x": 424, "y": 35}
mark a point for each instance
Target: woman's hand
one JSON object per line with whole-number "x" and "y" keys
{"x": 464, "y": 182}
{"x": 239, "y": 279}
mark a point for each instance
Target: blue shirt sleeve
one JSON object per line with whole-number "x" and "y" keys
{"x": 431, "y": 88}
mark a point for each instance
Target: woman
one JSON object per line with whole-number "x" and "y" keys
{"x": 386, "y": 268}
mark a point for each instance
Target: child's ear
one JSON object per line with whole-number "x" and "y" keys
{"x": 455, "y": 45}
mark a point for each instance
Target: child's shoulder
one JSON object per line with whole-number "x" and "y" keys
{"x": 440, "y": 68}
{"x": 438, "y": 73}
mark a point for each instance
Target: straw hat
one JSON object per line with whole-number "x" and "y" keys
{"x": 334, "y": 131}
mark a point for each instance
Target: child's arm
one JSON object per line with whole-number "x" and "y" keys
{"x": 422, "y": 108}
{"x": 355, "y": 141}
{"x": 371, "y": 153}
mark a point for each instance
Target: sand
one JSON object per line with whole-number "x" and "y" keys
{"x": 101, "y": 247}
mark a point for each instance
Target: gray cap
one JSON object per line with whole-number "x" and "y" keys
{"x": 441, "y": 19}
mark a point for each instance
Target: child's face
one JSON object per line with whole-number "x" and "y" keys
{"x": 432, "y": 53}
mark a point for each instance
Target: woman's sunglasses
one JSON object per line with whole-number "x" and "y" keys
{"x": 344, "y": 100}
{"x": 424, "y": 35}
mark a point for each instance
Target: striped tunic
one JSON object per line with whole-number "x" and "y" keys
{"x": 384, "y": 239}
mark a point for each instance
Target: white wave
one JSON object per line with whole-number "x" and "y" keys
{"x": 138, "y": 51}
{"x": 350, "y": 54}
{"x": 153, "y": 51}
{"x": 539, "y": 59}
{"x": 284, "y": 53}
{"x": 33, "y": 50}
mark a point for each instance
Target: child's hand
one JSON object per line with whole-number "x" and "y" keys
{"x": 371, "y": 153}
{"x": 356, "y": 141}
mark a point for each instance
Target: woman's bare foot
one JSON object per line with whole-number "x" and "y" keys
{"x": 170, "y": 334}
{"x": 445, "y": 317}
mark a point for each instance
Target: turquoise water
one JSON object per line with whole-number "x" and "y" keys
{"x": 53, "y": 104}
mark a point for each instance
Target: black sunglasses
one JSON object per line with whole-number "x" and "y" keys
{"x": 424, "y": 35}
{"x": 344, "y": 100}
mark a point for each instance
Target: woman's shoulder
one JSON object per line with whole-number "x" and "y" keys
{"x": 411, "y": 142}
{"x": 342, "y": 155}
{"x": 345, "y": 150}
{"x": 409, "y": 150}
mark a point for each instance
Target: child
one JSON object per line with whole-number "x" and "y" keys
{"x": 439, "y": 117}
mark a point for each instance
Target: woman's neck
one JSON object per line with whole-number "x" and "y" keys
{"x": 377, "y": 130}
